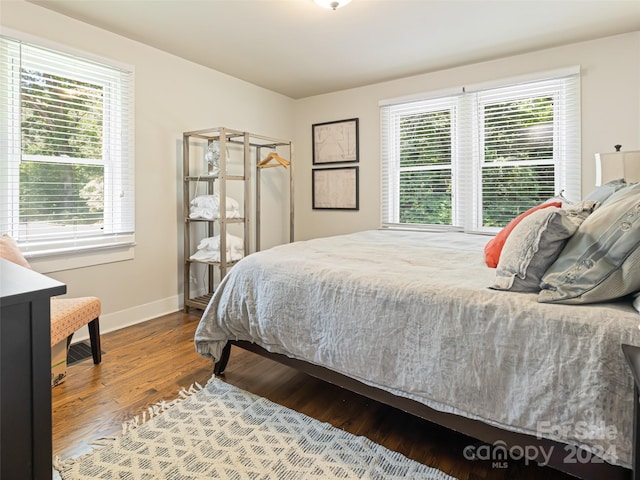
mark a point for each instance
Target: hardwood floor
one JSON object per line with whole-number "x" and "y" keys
{"x": 152, "y": 361}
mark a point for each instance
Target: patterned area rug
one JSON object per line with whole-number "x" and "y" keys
{"x": 220, "y": 431}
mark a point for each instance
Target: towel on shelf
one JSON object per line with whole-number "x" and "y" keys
{"x": 209, "y": 249}
{"x": 208, "y": 207}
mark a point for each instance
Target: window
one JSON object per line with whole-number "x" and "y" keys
{"x": 475, "y": 159}
{"x": 66, "y": 169}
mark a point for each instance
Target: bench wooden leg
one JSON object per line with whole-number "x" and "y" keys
{"x": 94, "y": 335}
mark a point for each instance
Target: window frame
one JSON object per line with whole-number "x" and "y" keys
{"x": 467, "y": 145}
{"x": 114, "y": 244}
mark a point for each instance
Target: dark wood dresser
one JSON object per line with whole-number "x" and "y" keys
{"x": 25, "y": 372}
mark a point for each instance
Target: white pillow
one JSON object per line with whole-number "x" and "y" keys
{"x": 535, "y": 243}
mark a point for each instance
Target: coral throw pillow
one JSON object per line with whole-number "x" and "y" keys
{"x": 9, "y": 250}
{"x": 493, "y": 248}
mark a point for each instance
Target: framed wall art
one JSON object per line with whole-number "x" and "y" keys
{"x": 335, "y": 142}
{"x": 335, "y": 188}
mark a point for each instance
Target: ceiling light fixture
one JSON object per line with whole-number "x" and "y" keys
{"x": 332, "y": 4}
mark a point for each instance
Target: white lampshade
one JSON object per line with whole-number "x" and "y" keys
{"x": 332, "y": 4}
{"x": 615, "y": 165}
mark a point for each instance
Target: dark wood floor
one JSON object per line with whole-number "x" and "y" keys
{"x": 152, "y": 361}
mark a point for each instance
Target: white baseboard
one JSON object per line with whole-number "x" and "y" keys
{"x": 131, "y": 316}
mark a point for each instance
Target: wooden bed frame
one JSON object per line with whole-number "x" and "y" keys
{"x": 473, "y": 428}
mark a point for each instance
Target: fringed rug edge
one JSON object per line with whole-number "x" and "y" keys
{"x": 152, "y": 411}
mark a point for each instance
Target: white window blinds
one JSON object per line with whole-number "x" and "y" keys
{"x": 476, "y": 159}
{"x": 418, "y": 143}
{"x": 66, "y": 169}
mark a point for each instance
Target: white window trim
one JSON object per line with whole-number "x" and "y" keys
{"x": 72, "y": 255}
{"x": 469, "y": 147}
{"x": 62, "y": 48}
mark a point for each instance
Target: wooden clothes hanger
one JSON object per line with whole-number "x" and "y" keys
{"x": 282, "y": 162}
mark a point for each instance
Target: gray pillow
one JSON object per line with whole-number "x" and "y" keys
{"x": 535, "y": 243}
{"x": 601, "y": 262}
{"x": 603, "y": 192}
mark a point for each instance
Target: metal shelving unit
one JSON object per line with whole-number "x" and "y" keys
{"x": 240, "y": 152}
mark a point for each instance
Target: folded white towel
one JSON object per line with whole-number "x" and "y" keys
{"x": 213, "y": 256}
{"x": 208, "y": 207}
{"x": 213, "y": 201}
{"x": 209, "y": 249}
{"x": 235, "y": 244}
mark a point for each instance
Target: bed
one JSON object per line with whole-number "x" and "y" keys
{"x": 407, "y": 318}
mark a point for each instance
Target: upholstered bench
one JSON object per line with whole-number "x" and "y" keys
{"x": 67, "y": 316}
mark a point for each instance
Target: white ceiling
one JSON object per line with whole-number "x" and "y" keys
{"x": 296, "y": 48}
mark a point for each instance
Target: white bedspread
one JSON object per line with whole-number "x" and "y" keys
{"x": 410, "y": 313}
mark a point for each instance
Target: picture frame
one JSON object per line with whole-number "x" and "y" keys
{"x": 336, "y": 142}
{"x": 335, "y": 188}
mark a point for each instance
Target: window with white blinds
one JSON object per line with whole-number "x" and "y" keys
{"x": 66, "y": 167}
{"x": 474, "y": 160}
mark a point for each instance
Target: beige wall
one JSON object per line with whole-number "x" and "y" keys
{"x": 171, "y": 96}
{"x": 610, "y": 83}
